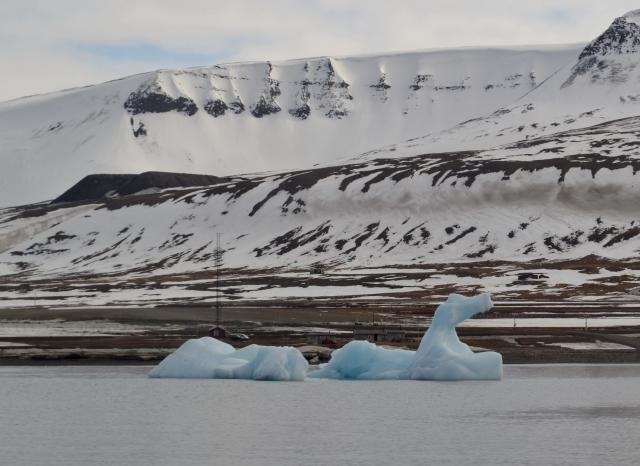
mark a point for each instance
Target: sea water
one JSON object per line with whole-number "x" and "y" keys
{"x": 88, "y": 415}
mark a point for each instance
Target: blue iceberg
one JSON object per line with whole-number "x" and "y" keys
{"x": 440, "y": 356}
{"x": 208, "y": 358}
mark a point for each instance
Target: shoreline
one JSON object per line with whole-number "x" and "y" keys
{"x": 144, "y": 336}
{"x": 150, "y": 364}
{"x": 78, "y": 357}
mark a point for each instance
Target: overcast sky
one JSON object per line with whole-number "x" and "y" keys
{"x": 47, "y": 45}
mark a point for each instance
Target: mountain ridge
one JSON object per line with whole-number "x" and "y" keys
{"x": 486, "y": 164}
{"x": 345, "y": 98}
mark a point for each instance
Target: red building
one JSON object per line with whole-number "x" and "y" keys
{"x": 218, "y": 332}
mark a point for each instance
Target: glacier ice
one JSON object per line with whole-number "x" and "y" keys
{"x": 365, "y": 360}
{"x": 208, "y": 358}
{"x": 440, "y": 356}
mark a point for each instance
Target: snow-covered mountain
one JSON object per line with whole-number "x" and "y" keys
{"x": 569, "y": 195}
{"x": 250, "y": 117}
{"x": 565, "y": 197}
{"x": 517, "y": 160}
{"x": 599, "y": 86}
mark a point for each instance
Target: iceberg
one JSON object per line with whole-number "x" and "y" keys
{"x": 440, "y": 356}
{"x": 208, "y": 358}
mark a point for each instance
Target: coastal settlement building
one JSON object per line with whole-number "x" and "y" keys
{"x": 372, "y": 334}
{"x": 322, "y": 338}
{"x": 379, "y": 334}
{"x": 218, "y": 332}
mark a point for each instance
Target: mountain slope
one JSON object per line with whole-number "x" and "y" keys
{"x": 560, "y": 198}
{"x": 518, "y": 163}
{"x": 601, "y": 85}
{"x": 249, "y": 117}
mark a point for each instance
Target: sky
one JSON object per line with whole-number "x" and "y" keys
{"x": 47, "y": 45}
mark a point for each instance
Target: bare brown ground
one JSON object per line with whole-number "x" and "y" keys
{"x": 285, "y": 325}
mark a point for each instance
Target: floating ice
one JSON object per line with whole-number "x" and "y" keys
{"x": 208, "y": 358}
{"x": 364, "y": 360}
{"x": 440, "y": 356}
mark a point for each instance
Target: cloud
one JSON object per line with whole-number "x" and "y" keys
{"x": 47, "y": 45}
{"x": 560, "y": 15}
{"x": 149, "y": 53}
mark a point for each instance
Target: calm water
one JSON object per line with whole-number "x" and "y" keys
{"x": 537, "y": 415}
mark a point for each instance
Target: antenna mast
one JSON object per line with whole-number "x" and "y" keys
{"x": 218, "y": 259}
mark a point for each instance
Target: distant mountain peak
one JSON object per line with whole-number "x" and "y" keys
{"x": 601, "y": 60}
{"x": 621, "y": 37}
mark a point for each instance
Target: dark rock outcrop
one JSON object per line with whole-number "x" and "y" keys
{"x": 94, "y": 187}
{"x": 301, "y": 112}
{"x": 152, "y": 100}
{"x": 216, "y": 107}
{"x": 264, "y": 107}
